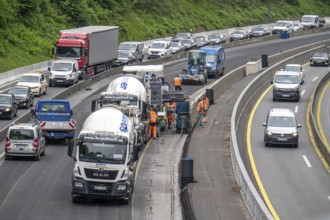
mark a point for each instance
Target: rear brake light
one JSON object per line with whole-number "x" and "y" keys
{"x": 35, "y": 144}
{"x": 7, "y": 143}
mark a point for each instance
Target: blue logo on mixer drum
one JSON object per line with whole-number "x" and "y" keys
{"x": 123, "y": 84}
{"x": 124, "y": 124}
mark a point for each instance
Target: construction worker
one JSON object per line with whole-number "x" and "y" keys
{"x": 153, "y": 123}
{"x": 200, "y": 110}
{"x": 206, "y": 105}
{"x": 177, "y": 83}
{"x": 170, "y": 107}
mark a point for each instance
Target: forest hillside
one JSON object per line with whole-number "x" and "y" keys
{"x": 29, "y": 28}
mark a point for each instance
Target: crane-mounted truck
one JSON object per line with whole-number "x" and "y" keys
{"x": 129, "y": 93}
{"x": 94, "y": 47}
{"x": 105, "y": 157}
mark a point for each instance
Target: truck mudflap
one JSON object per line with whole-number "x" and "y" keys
{"x": 100, "y": 190}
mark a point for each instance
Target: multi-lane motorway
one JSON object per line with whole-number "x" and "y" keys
{"x": 41, "y": 190}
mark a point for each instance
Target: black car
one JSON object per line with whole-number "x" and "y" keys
{"x": 23, "y": 95}
{"x": 259, "y": 31}
{"x": 319, "y": 58}
{"x": 8, "y": 106}
{"x": 201, "y": 41}
{"x": 216, "y": 38}
{"x": 124, "y": 57}
{"x": 239, "y": 34}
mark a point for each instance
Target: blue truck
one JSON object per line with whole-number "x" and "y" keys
{"x": 215, "y": 60}
{"x": 55, "y": 119}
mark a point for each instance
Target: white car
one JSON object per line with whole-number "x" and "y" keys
{"x": 159, "y": 49}
{"x": 297, "y": 26}
{"x": 280, "y": 26}
{"x": 36, "y": 81}
{"x": 296, "y": 68}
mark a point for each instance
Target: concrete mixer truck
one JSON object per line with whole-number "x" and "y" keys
{"x": 105, "y": 157}
{"x": 130, "y": 95}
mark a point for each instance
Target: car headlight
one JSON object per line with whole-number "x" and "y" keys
{"x": 69, "y": 76}
{"x": 121, "y": 187}
{"x": 269, "y": 133}
{"x": 296, "y": 89}
{"x": 214, "y": 68}
{"x": 7, "y": 109}
{"x": 295, "y": 134}
{"x": 52, "y": 76}
{"x": 76, "y": 171}
{"x": 275, "y": 88}
{"x": 34, "y": 87}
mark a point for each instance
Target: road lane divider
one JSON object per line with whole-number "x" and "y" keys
{"x": 307, "y": 161}
{"x": 251, "y": 158}
{"x": 296, "y": 109}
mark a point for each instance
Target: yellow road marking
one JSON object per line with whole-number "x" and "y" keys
{"x": 140, "y": 160}
{"x": 252, "y": 162}
{"x": 316, "y": 148}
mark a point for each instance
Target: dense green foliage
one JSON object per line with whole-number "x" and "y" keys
{"x": 29, "y": 28}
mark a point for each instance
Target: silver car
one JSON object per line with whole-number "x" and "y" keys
{"x": 24, "y": 140}
{"x": 281, "y": 127}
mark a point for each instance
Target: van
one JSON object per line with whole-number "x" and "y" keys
{"x": 281, "y": 26}
{"x": 64, "y": 72}
{"x": 215, "y": 60}
{"x": 136, "y": 48}
{"x": 24, "y": 139}
{"x": 310, "y": 21}
{"x": 287, "y": 85}
{"x": 159, "y": 49}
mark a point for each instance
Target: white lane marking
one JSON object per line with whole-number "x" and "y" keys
{"x": 329, "y": 197}
{"x": 296, "y": 109}
{"x": 306, "y": 160}
{"x": 303, "y": 92}
{"x": 1, "y": 155}
{"x": 315, "y": 78}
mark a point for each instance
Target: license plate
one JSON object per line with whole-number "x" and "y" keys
{"x": 60, "y": 81}
{"x": 100, "y": 187}
{"x": 52, "y": 134}
{"x": 285, "y": 95}
{"x": 282, "y": 139}
{"x": 21, "y": 146}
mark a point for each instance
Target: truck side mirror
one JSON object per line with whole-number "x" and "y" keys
{"x": 70, "y": 149}
{"x": 49, "y": 68}
{"x": 135, "y": 153}
{"x": 71, "y": 112}
{"x": 96, "y": 104}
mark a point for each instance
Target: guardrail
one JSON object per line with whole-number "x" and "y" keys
{"x": 249, "y": 193}
{"x": 314, "y": 128}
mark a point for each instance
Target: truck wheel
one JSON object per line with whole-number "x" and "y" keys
{"x": 75, "y": 199}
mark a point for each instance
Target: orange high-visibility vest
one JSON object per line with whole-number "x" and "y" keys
{"x": 206, "y": 103}
{"x": 200, "y": 107}
{"x": 153, "y": 116}
{"x": 177, "y": 81}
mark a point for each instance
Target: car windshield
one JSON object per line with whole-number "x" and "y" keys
{"x": 129, "y": 47}
{"x": 62, "y": 66}
{"x": 320, "y": 55}
{"x": 258, "y": 29}
{"x": 102, "y": 153}
{"x": 186, "y": 41}
{"x": 214, "y": 36}
{"x": 238, "y": 32}
{"x": 307, "y": 19}
{"x": 211, "y": 58}
{"x": 53, "y": 107}
{"x": 29, "y": 79}
{"x": 175, "y": 44}
{"x": 281, "y": 121}
{"x": 123, "y": 55}
{"x": 286, "y": 79}
{"x": 68, "y": 52}
{"x": 18, "y": 90}
{"x": 182, "y": 35}
{"x": 280, "y": 24}
{"x": 293, "y": 68}
{"x": 5, "y": 100}
{"x": 158, "y": 45}
{"x": 200, "y": 38}
{"x": 21, "y": 134}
